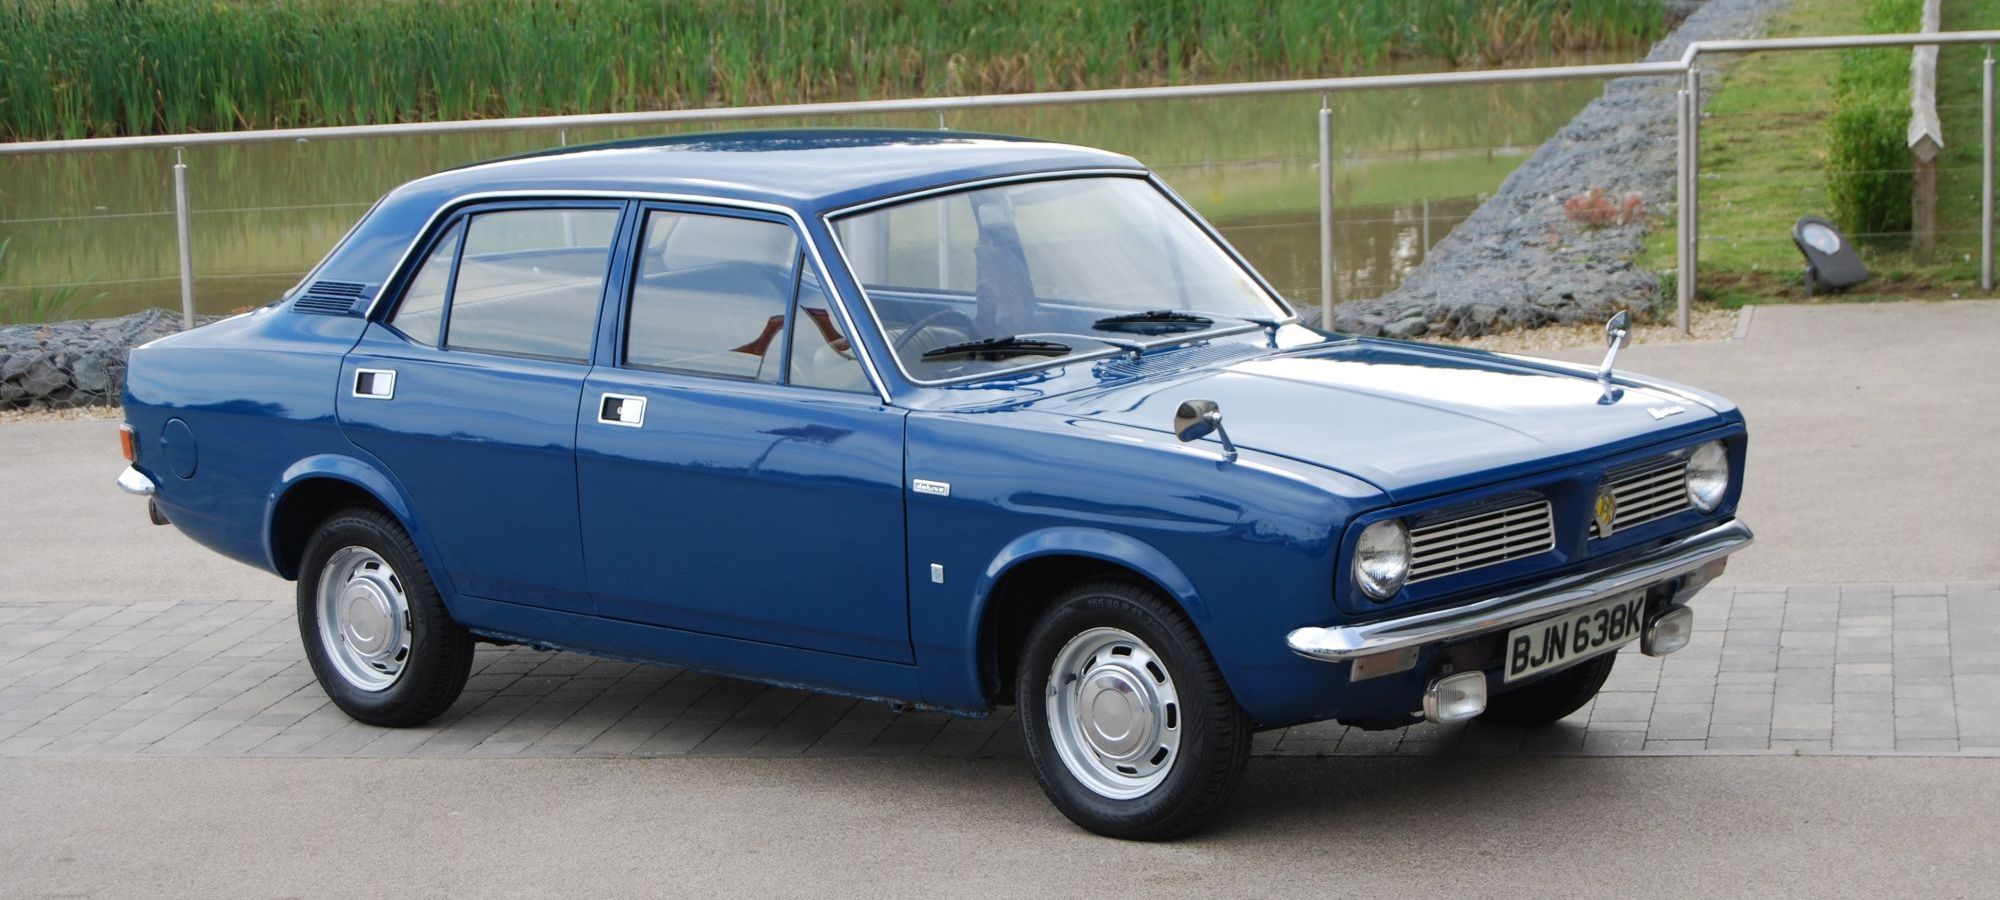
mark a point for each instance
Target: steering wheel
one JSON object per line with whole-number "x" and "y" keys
{"x": 932, "y": 321}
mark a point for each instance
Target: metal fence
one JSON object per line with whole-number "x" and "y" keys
{"x": 1687, "y": 147}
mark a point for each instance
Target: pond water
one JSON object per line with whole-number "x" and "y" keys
{"x": 1410, "y": 165}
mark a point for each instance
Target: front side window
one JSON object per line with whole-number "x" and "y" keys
{"x": 822, "y": 354}
{"x": 1045, "y": 270}
{"x": 710, "y": 294}
{"x": 529, "y": 281}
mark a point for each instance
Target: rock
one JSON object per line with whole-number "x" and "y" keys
{"x": 1408, "y": 328}
{"x": 60, "y": 364}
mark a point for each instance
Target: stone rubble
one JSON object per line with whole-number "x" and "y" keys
{"x": 1519, "y": 261}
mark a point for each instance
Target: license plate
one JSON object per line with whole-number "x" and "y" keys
{"x": 1574, "y": 636}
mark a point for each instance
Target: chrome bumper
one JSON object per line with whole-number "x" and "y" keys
{"x": 133, "y": 481}
{"x": 1700, "y": 555}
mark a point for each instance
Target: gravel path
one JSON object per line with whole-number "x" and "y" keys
{"x": 1518, "y": 261}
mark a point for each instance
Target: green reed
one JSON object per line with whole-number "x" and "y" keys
{"x": 82, "y": 68}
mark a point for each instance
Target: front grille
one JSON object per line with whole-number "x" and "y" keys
{"x": 1484, "y": 538}
{"x": 1654, "y": 490}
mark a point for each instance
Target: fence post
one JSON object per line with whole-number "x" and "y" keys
{"x": 1986, "y": 175}
{"x": 1325, "y": 215}
{"x": 186, "y": 243}
{"x": 1684, "y": 230}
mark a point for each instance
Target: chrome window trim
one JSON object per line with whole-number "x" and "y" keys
{"x": 805, "y": 237}
{"x": 828, "y": 217}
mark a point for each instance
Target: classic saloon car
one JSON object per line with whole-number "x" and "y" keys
{"x": 938, "y": 419}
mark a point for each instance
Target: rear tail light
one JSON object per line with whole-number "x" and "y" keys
{"x": 128, "y": 441}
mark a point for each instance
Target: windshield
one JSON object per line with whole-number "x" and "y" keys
{"x": 1024, "y": 274}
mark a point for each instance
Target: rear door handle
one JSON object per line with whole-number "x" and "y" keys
{"x": 375, "y": 384}
{"x": 622, "y": 409}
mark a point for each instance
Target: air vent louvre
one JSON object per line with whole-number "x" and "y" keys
{"x": 331, "y": 298}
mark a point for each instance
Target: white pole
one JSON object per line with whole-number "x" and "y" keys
{"x": 1986, "y": 175}
{"x": 181, "y": 233}
{"x": 1326, "y": 266}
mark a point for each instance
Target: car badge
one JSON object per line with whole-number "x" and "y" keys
{"x": 933, "y": 488}
{"x": 1661, "y": 412}
{"x": 1605, "y": 511}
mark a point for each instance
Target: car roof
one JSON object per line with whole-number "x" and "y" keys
{"x": 808, "y": 170}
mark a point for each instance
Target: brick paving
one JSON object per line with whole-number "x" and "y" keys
{"x": 1840, "y": 669}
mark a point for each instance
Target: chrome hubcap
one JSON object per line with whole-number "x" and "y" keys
{"x": 1113, "y": 713}
{"x": 364, "y": 618}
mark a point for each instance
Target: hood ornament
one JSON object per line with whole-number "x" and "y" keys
{"x": 1617, "y": 333}
{"x": 1196, "y": 419}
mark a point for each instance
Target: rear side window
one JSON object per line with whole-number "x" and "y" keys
{"x": 710, "y": 295}
{"x": 421, "y": 314}
{"x": 529, "y": 281}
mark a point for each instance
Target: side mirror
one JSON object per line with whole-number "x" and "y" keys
{"x": 1618, "y": 331}
{"x": 1197, "y": 419}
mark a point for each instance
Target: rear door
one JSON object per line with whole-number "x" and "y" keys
{"x": 738, "y": 475}
{"x": 468, "y": 391}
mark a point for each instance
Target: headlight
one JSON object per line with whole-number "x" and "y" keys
{"x": 1382, "y": 559}
{"x": 1707, "y": 476}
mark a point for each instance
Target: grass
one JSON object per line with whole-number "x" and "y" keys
{"x": 83, "y": 68}
{"x": 24, "y": 305}
{"x": 1765, "y": 163}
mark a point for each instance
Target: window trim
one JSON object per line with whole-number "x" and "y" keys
{"x": 400, "y": 273}
{"x": 831, "y": 217}
{"x": 441, "y": 225}
{"x": 621, "y": 344}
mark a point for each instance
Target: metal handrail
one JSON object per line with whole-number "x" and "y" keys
{"x": 1688, "y": 146}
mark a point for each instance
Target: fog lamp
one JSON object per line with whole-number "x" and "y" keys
{"x": 1669, "y": 631}
{"x": 1455, "y": 698}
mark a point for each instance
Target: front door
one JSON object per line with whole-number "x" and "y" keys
{"x": 737, "y": 474}
{"x": 467, "y": 390}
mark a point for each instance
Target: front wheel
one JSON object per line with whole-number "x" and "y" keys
{"x": 1129, "y": 726}
{"x": 1552, "y": 698}
{"x": 378, "y": 636}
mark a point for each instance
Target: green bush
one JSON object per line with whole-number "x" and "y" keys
{"x": 1868, "y": 156}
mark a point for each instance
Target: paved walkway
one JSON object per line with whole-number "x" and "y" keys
{"x": 1859, "y": 669}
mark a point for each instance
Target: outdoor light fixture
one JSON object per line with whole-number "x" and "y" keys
{"x": 1831, "y": 263}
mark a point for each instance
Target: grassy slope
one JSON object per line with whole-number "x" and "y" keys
{"x": 1763, "y": 154}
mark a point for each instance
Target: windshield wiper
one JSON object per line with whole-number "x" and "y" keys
{"x": 1177, "y": 320}
{"x": 1154, "y": 321}
{"x": 998, "y": 348}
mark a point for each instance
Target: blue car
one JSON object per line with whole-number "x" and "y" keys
{"x": 946, "y": 420}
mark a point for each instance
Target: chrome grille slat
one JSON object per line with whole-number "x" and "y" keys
{"x": 1653, "y": 492}
{"x": 1481, "y": 539}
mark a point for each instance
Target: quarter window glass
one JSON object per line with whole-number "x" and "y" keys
{"x": 529, "y": 282}
{"x": 422, "y": 309}
{"x": 822, "y": 356}
{"x": 710, "y": 295}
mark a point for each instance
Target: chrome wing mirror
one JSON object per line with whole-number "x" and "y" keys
{"x": 1197, "y": 419}
{"x": 1617, "y": 334}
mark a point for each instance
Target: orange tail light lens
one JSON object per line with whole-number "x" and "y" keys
{"x": 128, "y": 441}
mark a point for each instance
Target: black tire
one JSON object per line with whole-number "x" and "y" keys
{"x": 439, "y": 657}
{"x": 1214, "y": 735}
{"x": 1549, "y": 700}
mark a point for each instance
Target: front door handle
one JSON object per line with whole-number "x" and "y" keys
{"x": 622, "y": 409}
{"x": 375, "y": 384}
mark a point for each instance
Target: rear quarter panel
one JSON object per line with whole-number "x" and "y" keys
{"x": 257, "y": 394}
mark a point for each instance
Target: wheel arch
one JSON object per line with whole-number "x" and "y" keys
{"x": 315, "y": 487}
{"x": 1023, "y": 578}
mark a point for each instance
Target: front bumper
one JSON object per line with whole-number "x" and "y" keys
{"x": 1699, "y": 556}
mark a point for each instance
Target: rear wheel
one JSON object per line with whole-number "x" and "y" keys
{"x": 375, "y": 631}
{"x": 1129, "y": 726}
{"x": 1546, "y": 701}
